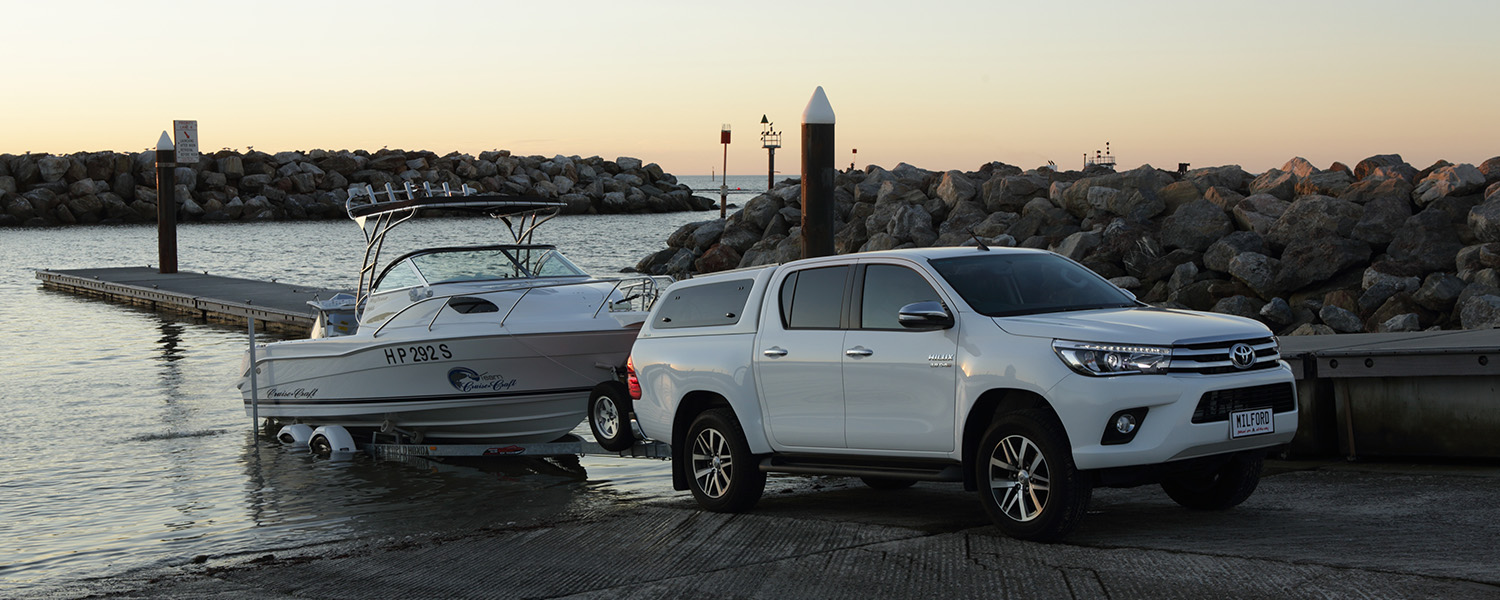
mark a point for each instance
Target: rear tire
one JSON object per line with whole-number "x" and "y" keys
{"x": 1027, "y": 482}
{"x": 722, "y": 474}
{"x": 1225, "y": 487}
{"x": 609, "y": 416}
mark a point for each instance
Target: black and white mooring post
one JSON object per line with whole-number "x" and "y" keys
{"x": 166, "y": 204}
{"x": 817, "y": 176}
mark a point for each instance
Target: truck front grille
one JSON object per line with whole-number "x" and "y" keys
{"x": 1213, "y": 358}
{"x": 1215, "y": 406}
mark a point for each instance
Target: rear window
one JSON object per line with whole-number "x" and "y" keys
{"x": 704, "y": 305}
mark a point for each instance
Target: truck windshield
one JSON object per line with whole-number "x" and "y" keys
{"x": 1009, "y": 284}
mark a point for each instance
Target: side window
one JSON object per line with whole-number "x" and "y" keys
{"x": 813, "y": 298}
{"x": 399, "y": 276}
{"x": 888, "y": 288}
{"x": 704, "y": 305}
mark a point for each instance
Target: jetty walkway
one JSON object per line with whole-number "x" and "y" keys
{"x": 278, "y": 307}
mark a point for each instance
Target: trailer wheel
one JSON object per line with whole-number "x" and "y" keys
{"x": 609, "y": 416}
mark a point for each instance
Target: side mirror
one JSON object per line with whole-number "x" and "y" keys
{"x": 925, "y": 316}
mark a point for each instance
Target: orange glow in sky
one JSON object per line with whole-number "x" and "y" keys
{"x": 945, "y": 85}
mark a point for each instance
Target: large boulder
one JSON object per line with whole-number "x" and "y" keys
{"x": 1367, "y": 166}
{"x": 1306, "y": 261}
{"x": 1222, "y": 252}
{"x": 912, "y": 223}
{"x": 1484, "y": 220}
{"x": 1259, "y": 212}
{"x": 1300, "y": 167}
{"x": 1011, "y": 192}
{"x": 1428, "y": 241}
{"x": 1439, "y": 291}
{"x": 1381, "y": 219}
{"x": 1195, "y": 226}
{"x": 1491, "y": 169}
{"x": 1326, "y": 183}
{"x": 1311, "y": 217}
{"x": 956, "y": 187}
{"x": 1480, "y": 312}
{"x": 52, "y": 168}
{"x": 1257, "y": 271}
{"x": 1231, "y": 177}
{"x": 719, "y": 257}
{"x": 1375, "y": 188}
{"x": 1275, "y": 182}
{"x": 1453, "y": 180}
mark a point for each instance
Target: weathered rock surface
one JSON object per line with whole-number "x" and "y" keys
{"x": 313, "y": 185}
{"x": 1380, "y": 247}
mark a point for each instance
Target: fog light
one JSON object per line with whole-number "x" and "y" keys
{"x": 1123, "y": 426}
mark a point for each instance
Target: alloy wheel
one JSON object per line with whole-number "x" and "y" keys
{"x": 1019, "y": 478}
{"x": 712, "y": 463}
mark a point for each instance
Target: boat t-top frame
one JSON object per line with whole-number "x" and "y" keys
{"x": 377, "y": 216}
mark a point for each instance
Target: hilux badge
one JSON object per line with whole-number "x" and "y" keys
{"x": 1242, "y": 356}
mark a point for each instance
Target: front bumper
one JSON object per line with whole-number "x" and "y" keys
{"x": 1085, "y": 405}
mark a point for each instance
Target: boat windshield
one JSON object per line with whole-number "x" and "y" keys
{"x": 477, "y": 264}
{"x": 1010, "y": 284}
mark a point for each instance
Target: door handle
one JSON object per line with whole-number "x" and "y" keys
{"x": 774, "y": 352}
{"x": 858, "y": 351}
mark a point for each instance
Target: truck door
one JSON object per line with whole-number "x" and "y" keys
{"x": 899, "y": 384}
{"x": 798, "y": 356}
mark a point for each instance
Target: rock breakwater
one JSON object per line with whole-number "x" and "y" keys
{"x": 38, "y": 190}
{"x": 1383, "y": 246}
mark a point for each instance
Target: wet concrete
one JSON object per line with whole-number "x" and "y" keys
{"x": 1328, "y": 530}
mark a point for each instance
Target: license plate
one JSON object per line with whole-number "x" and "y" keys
{"x": 1251, "y": 422}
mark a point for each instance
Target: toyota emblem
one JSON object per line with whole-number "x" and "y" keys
{"x": 1242, "y": 356}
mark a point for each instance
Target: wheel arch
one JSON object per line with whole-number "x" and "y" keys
{"x": 691, "y": 405}
{"x": 990, "y": 406}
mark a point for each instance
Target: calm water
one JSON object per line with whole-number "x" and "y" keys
{"x": 127, "y": 446}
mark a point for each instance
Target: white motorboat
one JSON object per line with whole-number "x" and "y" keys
{"x": 494, "y": 343}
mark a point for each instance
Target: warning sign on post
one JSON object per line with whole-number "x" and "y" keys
{"x": 185, "y": 136}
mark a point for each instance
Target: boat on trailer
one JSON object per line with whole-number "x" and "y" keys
{"x": 485, "y": 344}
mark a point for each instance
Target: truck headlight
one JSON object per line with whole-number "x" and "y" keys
{"x": 1097, "y": 359}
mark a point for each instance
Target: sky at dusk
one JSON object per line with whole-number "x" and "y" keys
{"x": 947, "y": 85}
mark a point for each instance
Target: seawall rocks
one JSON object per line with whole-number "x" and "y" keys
{"x": 1382, "y": 247}
{"x": 39, "y": 190}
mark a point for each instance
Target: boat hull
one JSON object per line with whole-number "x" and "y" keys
{"x": 502, "y": 388}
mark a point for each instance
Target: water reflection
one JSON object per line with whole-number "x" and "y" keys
{"x": 303, "y": 497}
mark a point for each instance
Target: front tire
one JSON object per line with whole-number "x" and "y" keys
{"x": 609, "y": 416}
{"x": 722, "y": 474}
{"x": 1028, "y": 484}
{"x": 1225, "y": 487}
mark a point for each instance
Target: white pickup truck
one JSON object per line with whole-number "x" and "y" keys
{"x": 1018, "y": 372}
